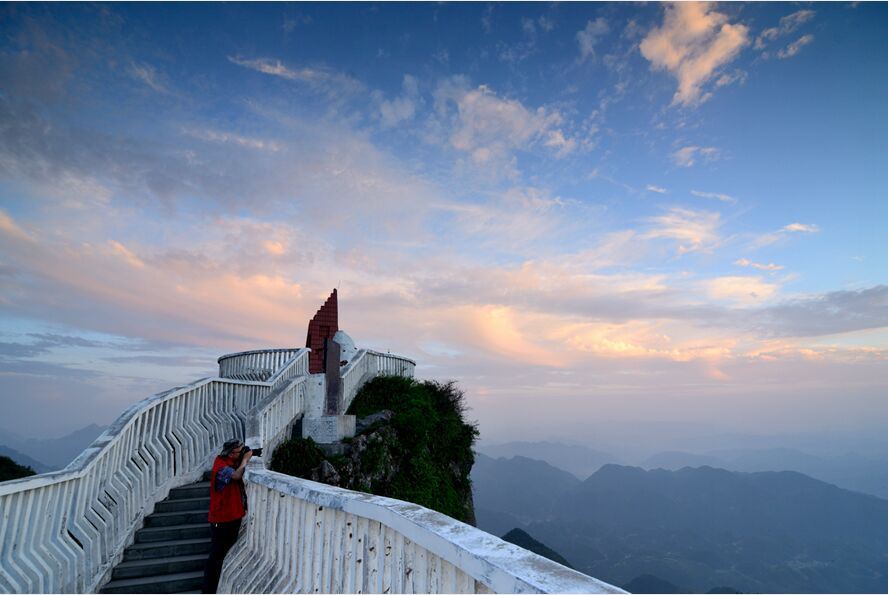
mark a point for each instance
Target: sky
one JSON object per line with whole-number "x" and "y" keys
{"x": 592, "y": 216}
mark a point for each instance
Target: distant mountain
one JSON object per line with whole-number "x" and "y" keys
{"x": 766, "y": 532}
{"x": 581, "y": 461}
{"x": 524, "y": 489}
{"x": 853, "y": 472}
{"x": 23, "y": 459}
{"x": 674, "y": 459}
{"x": 53, "y": 452}
{"x": 648, "y": 583}
{"x": 523, "y": 539}
{"x": 9, "y": 469}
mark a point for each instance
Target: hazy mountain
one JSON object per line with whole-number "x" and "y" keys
{"x": 23, "y": 459}
{"x": 53, "y": 452}
{"x": 524, "y": 489}
{"x": 579, "y": 460}
{"x": 699, "y": 528}
{"x": 851, "y": 471}
{"x": 648, "y": 583}
{"x": 523, "y": 539}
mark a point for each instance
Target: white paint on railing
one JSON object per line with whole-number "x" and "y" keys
{"x": 304, "y": 537}
{"x": 258, "y": 364}
{"x": 64, "y": 531}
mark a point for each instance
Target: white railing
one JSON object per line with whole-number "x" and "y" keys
{"x": 368, "y": 364}
{"x": 257, "y": 365}
{"x": 305, "y": 537}
{"x": 64, "y": 531}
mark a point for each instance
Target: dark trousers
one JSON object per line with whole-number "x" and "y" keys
{"x": 224, "y": 536}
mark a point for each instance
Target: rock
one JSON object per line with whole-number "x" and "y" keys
{"x": 326, "y": 473}
{"x": 364, "y": 423}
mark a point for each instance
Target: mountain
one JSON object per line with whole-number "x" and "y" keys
{"x": 850, "y": 471}
{"x": 523, "y": 539}
{"x": 524, "y": 489}
{"x": 9, "y": 469}
{"x": 581, "y": 461}
{"x": 53, "y": 452}
{"x": 25, "y": 460}
{"x": 648, "y": 583}
{"x": 766, "y": 532}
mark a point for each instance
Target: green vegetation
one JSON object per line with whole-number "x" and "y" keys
{"x": 9, "y": 469}
{"x": 423, "y": 454}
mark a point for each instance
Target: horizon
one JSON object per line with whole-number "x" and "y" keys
{"x": 639, "y": 221}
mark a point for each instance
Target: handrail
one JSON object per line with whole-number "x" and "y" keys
{"x": 366, "y": 364}
{"x": 63, "y": 531}
{"x": 258, "y": 364}
{"x": 310, "y": 537}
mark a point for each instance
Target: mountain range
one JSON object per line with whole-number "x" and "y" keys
{"x": 47, "y": 454}
{"x": 699, "y": 528}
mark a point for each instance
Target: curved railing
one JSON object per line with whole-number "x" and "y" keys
{"x": 257, "y": 365}
{"x": 64, "y": 531}
{"x": 307, "y": 537}
{"x": 367, "y": 364}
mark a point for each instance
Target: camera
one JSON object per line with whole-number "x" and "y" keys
{"x": 257, "y": 452}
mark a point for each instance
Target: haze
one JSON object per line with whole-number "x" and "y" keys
{"x": 616, "y": 224}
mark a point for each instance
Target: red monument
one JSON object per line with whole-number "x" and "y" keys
{"x": 320, "y": 328}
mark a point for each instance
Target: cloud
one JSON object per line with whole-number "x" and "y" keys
{"x": 692, "y": 230}
{"x": 796, "y": 46}
{"x": 403, "y": 108}
{"x": 788, "y": 24}
{"x": 693, "y": 43}
{"x": 715, "y": 195}
{"x": 588, "y": 37}
{"x": 489, "y": 128}
{"x": 319, "y": 77}
{"x": 801, "y": 228}
{"x": 740, "y": 289}
{"x": 826, "y": 314}
{"x": 148, "y": 75}
{"x": 9, "y": 227}
{"x": 687, "y": 156}
{"x": 227, "y": 137}
{"x": 126, "y": 254}
{"x": 657, "y": 189}
{"x": 744, "y": 262}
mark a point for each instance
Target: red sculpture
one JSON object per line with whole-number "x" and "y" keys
{"x": 323, "y": 326}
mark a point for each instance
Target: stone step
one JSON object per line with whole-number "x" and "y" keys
{"x": 163, "y": 549}
{"x": 168, "y": 583}
{"x": 169, "y": 519}
{"x": 190, "y": 531}
{"x": 183, "y": 505}
{"x": 159, "y": 566}
{"x": 195, "y": 490}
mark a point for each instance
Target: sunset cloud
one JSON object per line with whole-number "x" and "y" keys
{"x": 693, "y": 43}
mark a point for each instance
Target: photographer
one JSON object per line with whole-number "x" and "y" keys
{"x": 228, "y": 505}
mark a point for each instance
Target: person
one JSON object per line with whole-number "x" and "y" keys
{"x": 228, "y": 506}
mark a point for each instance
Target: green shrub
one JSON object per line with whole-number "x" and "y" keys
{"x": 424, "y": 456}
{"x": 297, "y": 457}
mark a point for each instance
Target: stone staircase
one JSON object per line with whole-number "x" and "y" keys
{"x": 170, "y": 552}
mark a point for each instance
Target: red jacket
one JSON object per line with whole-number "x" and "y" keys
{"x": 229, "y": 502}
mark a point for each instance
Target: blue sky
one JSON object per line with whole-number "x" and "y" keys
{"x": 609, "y": 212}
